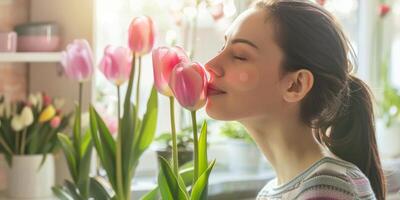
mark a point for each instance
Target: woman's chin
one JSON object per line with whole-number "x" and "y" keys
{"x": 216, "y": 113}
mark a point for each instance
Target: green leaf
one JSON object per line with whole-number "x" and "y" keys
{"x": 187, "y": 177}
{"x": 200, "y": 188}
{"x": 203, "y": 162}
{"x": 61, "y": 194}
{"x": 128, "y": 93}
{"x": 87, "y": 139}
{"x": 84, "y": 168}
{"x": 97, "y": 190}
{"x": 69, "y": 153}
{"x": 168, "y": 183}
{"x": 152, "y": 195}
{"x": 94, "y": 133}
{"x": 72, "y": 190}
{"x": 149, "y": 124}
{"x": 128, "y": 131}
{"x": 103, "y": 147}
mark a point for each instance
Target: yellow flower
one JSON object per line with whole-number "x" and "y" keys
{"x": 47, "y": 114}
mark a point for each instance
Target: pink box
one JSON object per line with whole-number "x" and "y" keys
{"x": 8, "y": 41}
{"x": 38, "y": 43}
{"x": 38, "y": 36}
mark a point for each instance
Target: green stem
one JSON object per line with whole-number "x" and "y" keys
{"x": 5, "y": 145}
{"x": 173, "y": 131}
{"x": 80, "y": 96}
{"x": 80, "y": 112}
{"x": 196, "y": 147}
{"x": 138, "y": 82}
{"x": 23, "y": 141}
{"x": 16, "y": 142}
{"x": 120, "y": 193}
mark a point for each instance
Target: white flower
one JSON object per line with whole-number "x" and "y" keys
{"x": 33, "y": 99}
{"x": 27, "y": 116}
{"x": 23, "y": 120}
{"x": 16, "y": 123}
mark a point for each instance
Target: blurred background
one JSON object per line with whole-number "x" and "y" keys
{"x": 373, "y": 27}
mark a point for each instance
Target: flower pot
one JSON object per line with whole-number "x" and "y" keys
{"x": 388, "y": 139}
{"x": 244, "y": 157}
{"x": 26, "y": 179}
{"x": 184, "y": 156}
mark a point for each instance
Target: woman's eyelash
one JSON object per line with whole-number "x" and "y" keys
{"x": 240, "y": 58}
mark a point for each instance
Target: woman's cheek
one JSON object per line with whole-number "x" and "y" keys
{"x": 243, "y": 79}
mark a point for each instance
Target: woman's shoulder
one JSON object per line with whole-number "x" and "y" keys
{"x": 337, "y": 178}
{"x": 330, "y": 178}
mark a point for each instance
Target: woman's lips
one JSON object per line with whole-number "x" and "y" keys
{"x": 214, "y": 90}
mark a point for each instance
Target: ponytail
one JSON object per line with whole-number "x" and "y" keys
{"x": 352, "y": 135}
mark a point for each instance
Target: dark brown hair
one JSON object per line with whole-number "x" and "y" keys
{"x": 339, "y": 105}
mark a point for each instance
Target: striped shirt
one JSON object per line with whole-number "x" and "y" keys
{"x": 327, "y": 179}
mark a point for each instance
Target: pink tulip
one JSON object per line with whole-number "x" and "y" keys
{"x": 189, "y": 85}
{"x": 116, "y": 64}
{"x": 141, "y": 35}
{"x": 164, "y": 61}
{"x": 384, "y": 10}
{"x": 77, "y": 60}
{"x": 55, "y": 122}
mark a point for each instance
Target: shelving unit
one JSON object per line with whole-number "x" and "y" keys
{"x": 30, "y": 57}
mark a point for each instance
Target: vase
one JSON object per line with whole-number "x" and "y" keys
{"x": 27, "y": 178}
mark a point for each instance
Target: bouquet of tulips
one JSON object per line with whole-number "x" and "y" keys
{"x": 177, "y": 77}
{"x": 30, "y": 127}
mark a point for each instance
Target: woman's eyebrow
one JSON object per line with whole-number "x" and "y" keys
{"x": 244, "y": 41}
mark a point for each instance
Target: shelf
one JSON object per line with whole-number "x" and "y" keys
{"x": 30, "y": 57}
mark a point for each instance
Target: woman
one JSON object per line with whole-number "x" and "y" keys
{"x": 285, "y": 74}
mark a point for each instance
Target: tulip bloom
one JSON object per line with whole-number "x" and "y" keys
{"x": 55, "y": 122}
{"x": 23, "y": 120}
{"x": 384, "y": 10}
{"x": 116, "y": 64}
{"x": 141, "y": 35}
{"x": 77, "y": 60}
{"x": 164, "y": 61}
{"x": 47, "y": 114}
{"x": 189, "y": 85}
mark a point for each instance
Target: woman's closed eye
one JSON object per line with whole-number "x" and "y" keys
{"x": 240, "y": 58}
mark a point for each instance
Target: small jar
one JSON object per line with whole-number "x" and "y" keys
{"x": 8, "y": 41}
{"x": 42, "y": 37}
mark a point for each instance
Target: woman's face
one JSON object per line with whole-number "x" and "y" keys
{"x": 245, "y": 75}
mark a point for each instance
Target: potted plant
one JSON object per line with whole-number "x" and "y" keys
{"x": 28, "y": 137}
{"x": 184, "y": 143}
{"x": 244, "y": 156}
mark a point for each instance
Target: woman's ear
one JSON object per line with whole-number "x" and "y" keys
{"x": 297, "y": 85}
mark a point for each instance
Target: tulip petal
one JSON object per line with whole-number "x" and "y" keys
{"x": 188, "y": 85}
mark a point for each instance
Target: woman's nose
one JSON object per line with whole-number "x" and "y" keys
{"x": 214, "y": 68}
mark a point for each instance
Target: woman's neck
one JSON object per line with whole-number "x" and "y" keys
{"x": 288, "y": 145}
